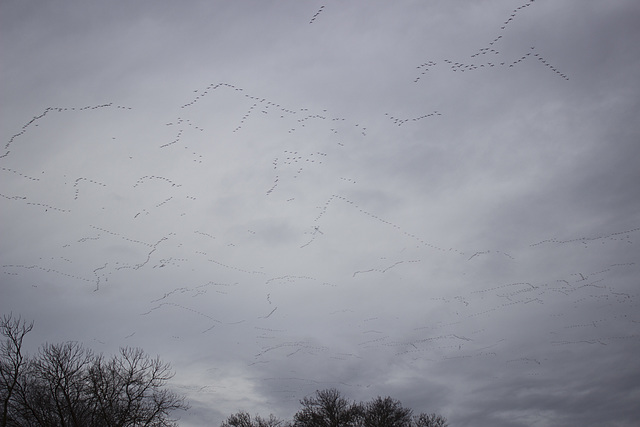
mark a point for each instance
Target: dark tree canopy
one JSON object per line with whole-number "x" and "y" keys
{"x": 429, "y": 420}
{"x": 12, "y": 363}
{"x": 243, "y": 419}
{"x": 67, "y": 385}
{"x": 327, "y": 409}
{"x": 55, "y": 390}
{"x": 386, "y": 412}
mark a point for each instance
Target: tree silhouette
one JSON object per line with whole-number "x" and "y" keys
{"x": 12, "y": 362}
{"x": 386, "y": 412}
{"x": 429, "y": 420}
{"x": 128, "y": 389}
{"x": 243, "y": 419}
{"x": 68, "y": 385}
{"x": 327, "y": 409}
{"x": 56, "y": 390}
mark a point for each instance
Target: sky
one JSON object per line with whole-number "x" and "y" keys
{"x": 432, "y": 200}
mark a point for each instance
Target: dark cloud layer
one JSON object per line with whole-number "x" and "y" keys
{"x": 436, "y": 201}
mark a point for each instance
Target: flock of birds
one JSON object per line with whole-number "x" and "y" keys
{"x": 492, "y": 49}
{"x": 315, "y": 15}
{"x": 160, "y": 223}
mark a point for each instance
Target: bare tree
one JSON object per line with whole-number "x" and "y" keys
{"x": 129, "y": 390}
{"x": 429, "y": 420}
{"x": 67, "y": 385}
{"x": 243, "y": 419}
{"x": 55, "y": 388}
{"x": 12, "y": 363}
{"x": 239, "y": 419}
{"x": 386, "y": 412}
{"x": 327, "y": 409}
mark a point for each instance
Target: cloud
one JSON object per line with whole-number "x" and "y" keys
{"x": 396, "y": 199}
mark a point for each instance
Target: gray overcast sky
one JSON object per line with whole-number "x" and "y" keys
{"x": 433, "y": 200}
